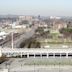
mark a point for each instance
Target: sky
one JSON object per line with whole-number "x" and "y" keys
{"x": 36, "y": 7}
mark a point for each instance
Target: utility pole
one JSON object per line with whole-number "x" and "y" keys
{"x": 12, "y": 40}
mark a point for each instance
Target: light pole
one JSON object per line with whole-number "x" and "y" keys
{"x": 12, "y": 44}
{"x": 12, "y": 40}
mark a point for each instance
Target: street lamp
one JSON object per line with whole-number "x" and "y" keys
{"x": 12, "y": 40}
{"x": 12, "y": 44}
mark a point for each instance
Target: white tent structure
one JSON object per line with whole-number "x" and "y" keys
{"x": 3, "y": 35}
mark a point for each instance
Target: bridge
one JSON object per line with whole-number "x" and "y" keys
{"x": 35, "y": 53}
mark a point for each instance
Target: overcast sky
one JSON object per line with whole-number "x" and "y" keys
{"x": 36, "y": 7}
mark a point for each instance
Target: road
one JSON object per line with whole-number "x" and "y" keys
{"x": 27, "y": 35}
{"x": 22, "y": 38}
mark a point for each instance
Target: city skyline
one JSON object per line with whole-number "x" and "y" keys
{"x": 36, "y": 7}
